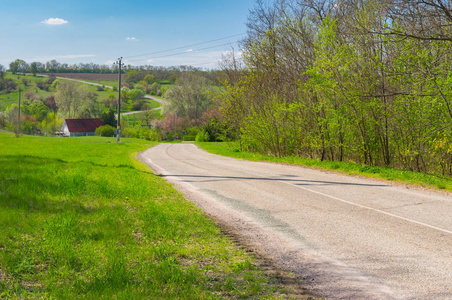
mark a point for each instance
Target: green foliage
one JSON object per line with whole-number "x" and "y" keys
{"x": 18, "y": 66}
{"x": 343, "y": 93}
{"x": 34, "y": 68}
{"x": 106, "y": 130}
{"x": 142, "y": 132}
{"x": 108, "y": 118}
{"x": 156, "y": 89}
{"x": 202, "y": 136}
{"x": 189, "y": 97}
{"x": 51, "y": 123}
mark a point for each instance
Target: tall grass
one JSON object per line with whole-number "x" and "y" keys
{"x": 80, "y": 218}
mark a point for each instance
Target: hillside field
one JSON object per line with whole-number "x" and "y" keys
{"x": 82, "y": 218}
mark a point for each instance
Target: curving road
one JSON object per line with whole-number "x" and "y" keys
{"x": 344, "y": 237}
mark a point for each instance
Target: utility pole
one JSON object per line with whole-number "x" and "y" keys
{"x": 175, "y": 125}
{"x": 18, "y": 123}
{"x": 118, "y": 134}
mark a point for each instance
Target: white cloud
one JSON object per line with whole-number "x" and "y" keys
{"x": 62, "y": 57}
{"x": 54, "y": 21}
{"x": 72, "y": 56}
{"x": 131, "y": 38}
{"x": 197, "y": 59}
{"x": 189, "y": 50}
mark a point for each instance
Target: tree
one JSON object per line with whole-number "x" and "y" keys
{"x": 111, "y": 101}
{"x": 2, "y": 71}
{"x": 156, "y": 89}
{"x": 190, "y": 97}
{"x": 38, "y": 110}
{"x": 34, "y": 68}
{"x": 51, "y": 123}
{"x": 52, "y": 66}
{"x": 8, "y": 85}
{"x": 49, "y": 101}
{"x": 361, "y": 80}
{"x": 148, "y": 115}
{"x": 18, "y": 66}
{"x": 13, "y": 67}
{"x": 108, "y": 117}
{"x": 67, "y": 95}
{"x": 149, "y": 78}
{"x": 135, "y": 94}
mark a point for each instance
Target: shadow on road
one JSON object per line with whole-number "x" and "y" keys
{"x": 297, "y": 181}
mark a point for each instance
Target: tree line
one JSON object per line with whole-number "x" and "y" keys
{"x": 349, "y": 80}
{"x": 158, "y": 72}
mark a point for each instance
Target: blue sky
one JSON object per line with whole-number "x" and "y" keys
{"x": 101, "y": 31}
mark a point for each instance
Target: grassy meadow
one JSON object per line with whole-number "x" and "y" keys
{"x": 81, "y": 218}
{"x": 439, "y": 182}
{"x": 13, "y": 97}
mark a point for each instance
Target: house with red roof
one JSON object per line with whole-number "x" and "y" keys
{"x": 81, "y": 127}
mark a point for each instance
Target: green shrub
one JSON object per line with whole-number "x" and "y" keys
{"x": 105, "y": 130}
{"x": 149, "y": 134}
{"x": 130, "y": 132}
{"x": 202, "y": 136}
{"x": 189, "y": 138}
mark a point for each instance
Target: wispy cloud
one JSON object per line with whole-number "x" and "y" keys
{"x": 63, "y": 57}
{"x": 54, "y": 21}
{"x": 131, "y": 38}
{"x": 72, "y": 56}
{"x": 112, "y": 62}
{"x": 194, "y": 58}
{"x": 189, "y": 50}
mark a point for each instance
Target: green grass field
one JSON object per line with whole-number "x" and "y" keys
{"x": 8, "y": 99}
{"x": 420, "y": 179}
{"x": 81, "y": 218}
{"x": 13, "y": 97}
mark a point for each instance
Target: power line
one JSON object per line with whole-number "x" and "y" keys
{"x": 204, "y": 63}
{"x": 192, "y": 45}
{"x": 185, "y": 52}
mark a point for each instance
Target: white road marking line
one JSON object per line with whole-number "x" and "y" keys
{"x": 361, "y": 206}
{"x": 341, "y": 200}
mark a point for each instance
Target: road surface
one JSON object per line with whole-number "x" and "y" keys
{"x": 344, "y": 237}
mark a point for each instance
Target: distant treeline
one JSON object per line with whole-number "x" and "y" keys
{"x": 159, "y": 73}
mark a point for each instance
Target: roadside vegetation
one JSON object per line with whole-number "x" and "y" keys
{"x": 346, "y": 81}
{"x": 232, "y": 149}
{"x": 81, "y": 218}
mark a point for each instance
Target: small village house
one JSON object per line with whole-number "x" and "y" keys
{"x": 81, "y": 127}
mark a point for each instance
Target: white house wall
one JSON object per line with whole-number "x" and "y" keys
{"x": 65, "y": 130}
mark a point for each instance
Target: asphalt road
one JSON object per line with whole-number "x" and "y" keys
{"x": 344, "y": 237}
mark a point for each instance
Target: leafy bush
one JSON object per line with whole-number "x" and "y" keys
{"x": 105, "y": 130}
{"x": 203, "y": 136}
{"x": 129, "y": 132}
{"x": 41, "y": 85}
{"x": 149, "y": 134}
{"x": 146, "y": 133}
